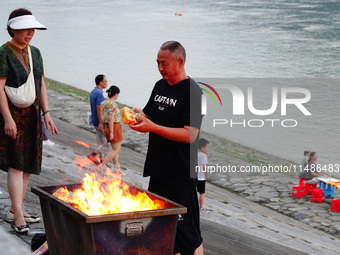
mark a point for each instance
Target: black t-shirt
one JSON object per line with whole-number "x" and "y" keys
{"x": 174, "y": 106}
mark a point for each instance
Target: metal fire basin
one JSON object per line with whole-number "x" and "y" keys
{"x": 70, "y": 231}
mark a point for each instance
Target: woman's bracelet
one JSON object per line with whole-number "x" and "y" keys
{"x": 45, "y": 112}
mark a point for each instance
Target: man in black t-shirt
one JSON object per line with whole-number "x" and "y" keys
{"x": 173, "y": 118}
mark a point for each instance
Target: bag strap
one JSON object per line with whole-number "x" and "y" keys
{"x": 31, "y": 59}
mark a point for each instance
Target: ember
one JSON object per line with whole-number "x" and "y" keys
{"x": 107, "y": 195}
{"x": 82, "y": 143}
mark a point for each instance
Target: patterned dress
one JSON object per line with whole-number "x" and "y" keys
{"x": 110, "y": 108}
{"x": 25, "y": 152}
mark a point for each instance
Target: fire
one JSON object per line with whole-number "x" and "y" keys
{"x": 107, "y": 195}
{"x": 82, "y": 143}
{"x": 83, "y": 162}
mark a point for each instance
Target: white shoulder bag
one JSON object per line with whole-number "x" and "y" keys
{"x": 24, "y": 96}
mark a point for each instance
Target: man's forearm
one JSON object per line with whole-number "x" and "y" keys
{"x": 186, "y": 134}
{"x": 99, "y": 114}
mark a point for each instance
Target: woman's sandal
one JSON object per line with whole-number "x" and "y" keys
{"x": 31, "y": 219}
{"x": 22, "y": 228}
{"x": 28, "y": 219}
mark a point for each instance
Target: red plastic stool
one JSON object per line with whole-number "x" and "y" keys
{"x": 335, "y": 205}
{"x": 317, "y": 196}
{"x": 308, "y": 187}
{"x": 299, "y": 191}
{"x": 303, "y": 182}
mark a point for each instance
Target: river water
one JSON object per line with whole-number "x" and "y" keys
{"x": 223, "y": 39}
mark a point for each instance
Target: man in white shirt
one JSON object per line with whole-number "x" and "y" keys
{"x": 202, "y": 174}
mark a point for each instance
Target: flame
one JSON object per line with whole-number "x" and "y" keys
{"x": 82, "y": 143}
{"x": 107, "y": 195}
{"x": 83, "y": 162}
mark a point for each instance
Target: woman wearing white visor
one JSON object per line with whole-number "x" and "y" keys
{"x": 23, "y": 97}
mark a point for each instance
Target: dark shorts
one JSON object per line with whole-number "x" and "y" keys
{"x": 201, "y": 186}
{"x": 188, "y": 234}
{"x": 117, "y": 133}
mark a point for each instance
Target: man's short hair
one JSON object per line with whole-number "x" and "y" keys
{"x": 202, "y": 143}
{"x": 99, "y": 78}
{"x": 174, "y": 46}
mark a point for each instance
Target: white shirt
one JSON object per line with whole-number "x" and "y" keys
{"x": 202, "y": 160}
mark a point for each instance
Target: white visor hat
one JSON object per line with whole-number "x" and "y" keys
{"x": 25, "y": 22}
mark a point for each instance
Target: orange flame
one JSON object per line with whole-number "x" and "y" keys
{"x": 83, "y": 162}
{"x": 82, "y": 143}
{"x": 107, "y": 195}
